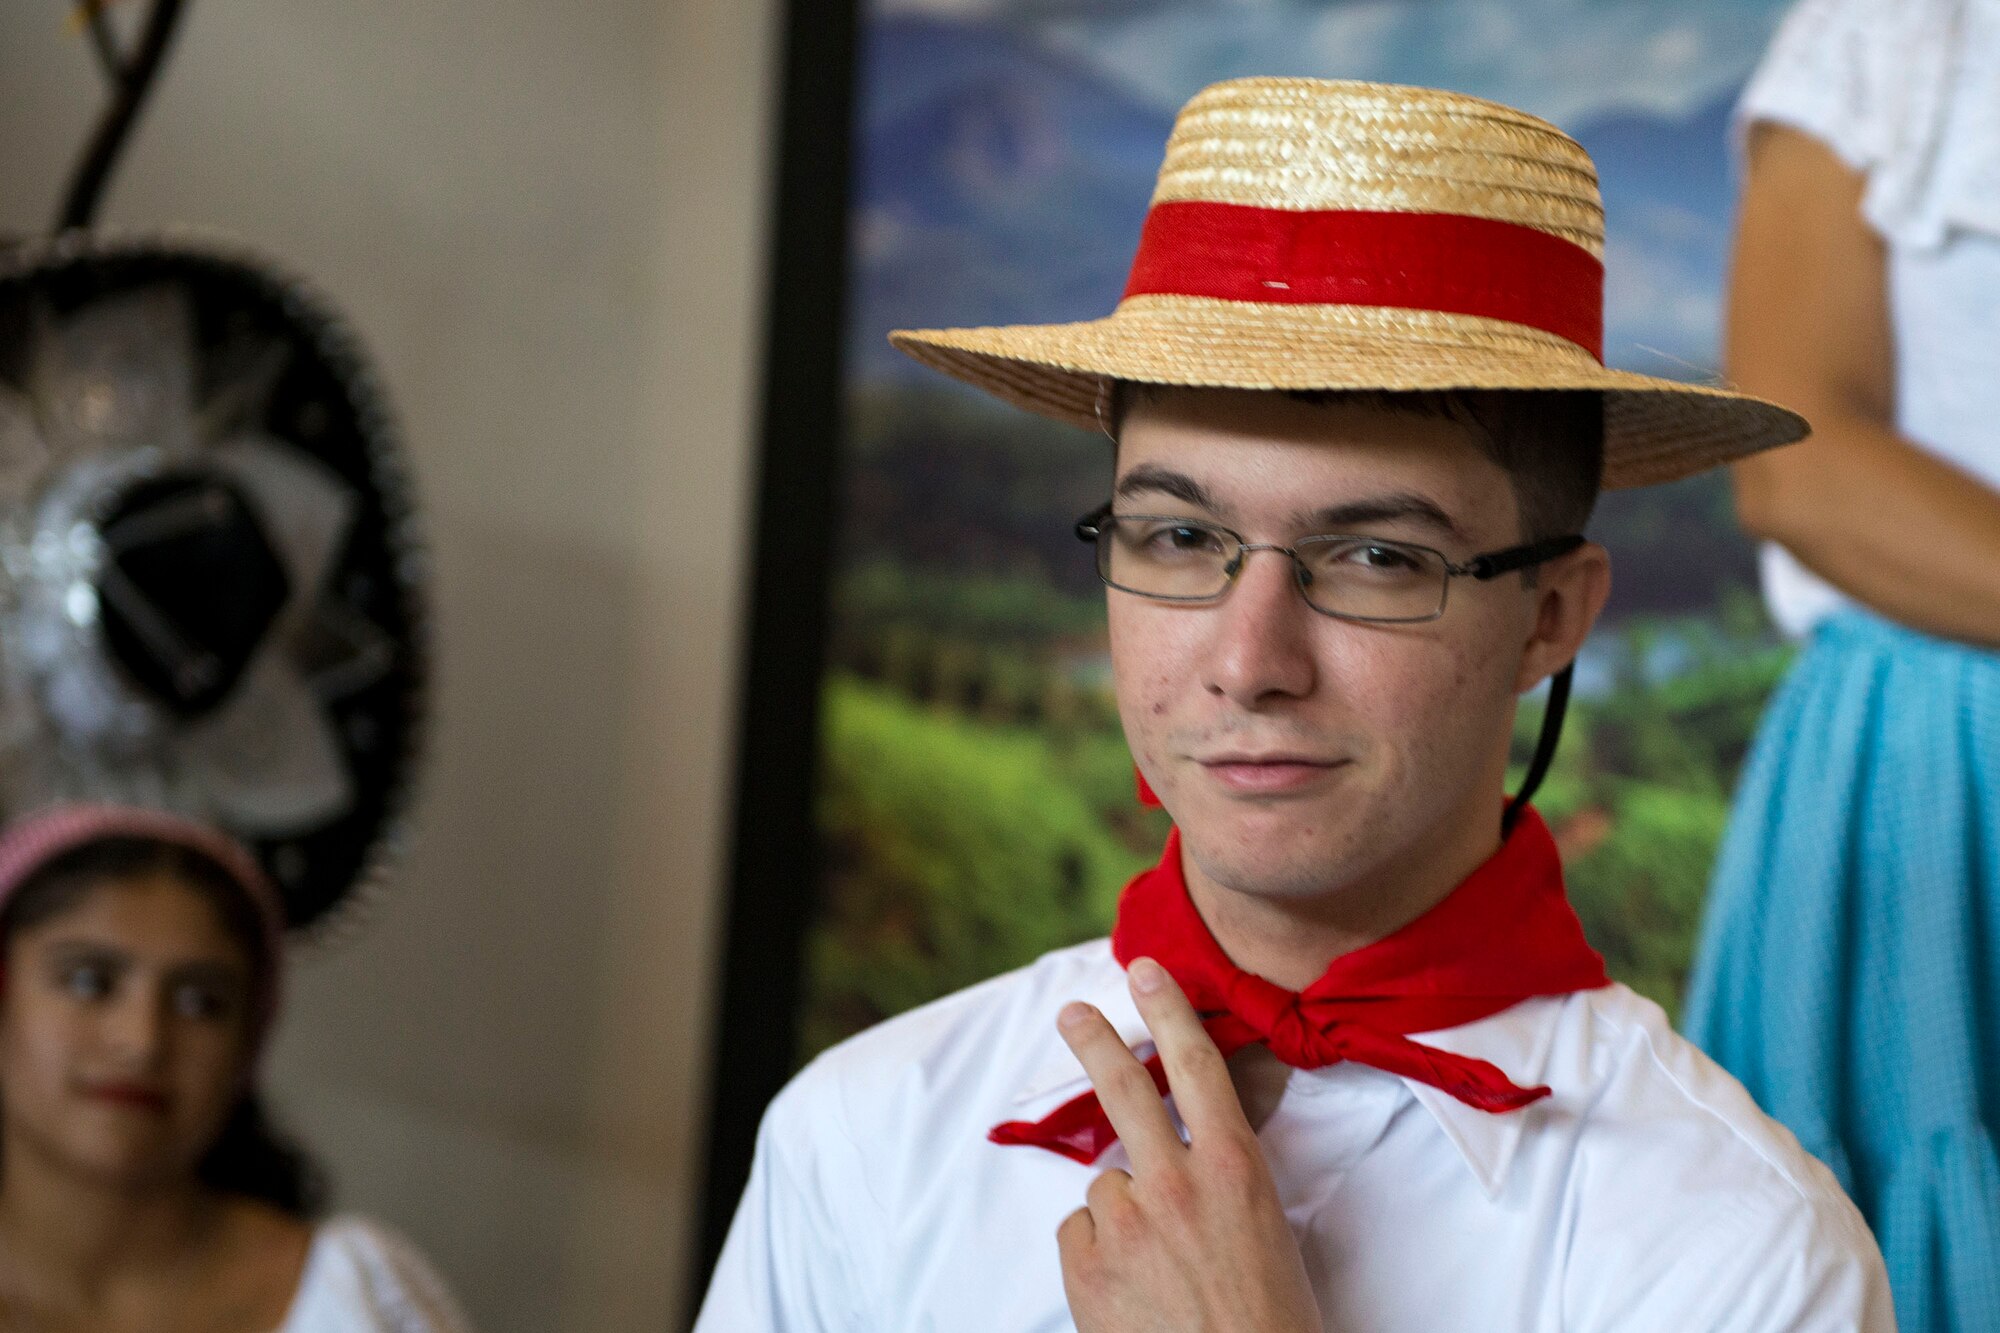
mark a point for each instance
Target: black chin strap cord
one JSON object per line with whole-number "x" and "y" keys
{"x": 1545, "y": 746}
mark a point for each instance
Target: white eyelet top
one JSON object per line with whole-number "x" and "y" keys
{"x": 361, "y": 1277}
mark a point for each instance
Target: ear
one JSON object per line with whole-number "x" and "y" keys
{"x": 1568, "y": 597}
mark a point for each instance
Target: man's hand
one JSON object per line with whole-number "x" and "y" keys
{"x": 1193, "y": 1239}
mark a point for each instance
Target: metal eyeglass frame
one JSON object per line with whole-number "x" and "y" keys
{"x": 1093, "y": 527}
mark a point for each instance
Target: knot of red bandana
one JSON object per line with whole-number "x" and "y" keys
{"x": 1507, "y": 933}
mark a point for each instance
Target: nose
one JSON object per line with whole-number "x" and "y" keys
{"x": 1261, "y": 645}
{"x": 137, "y": 1027}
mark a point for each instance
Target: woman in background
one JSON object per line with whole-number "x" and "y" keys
{"x": 140, "y": 1186}
{"x": 1849, "y": 972}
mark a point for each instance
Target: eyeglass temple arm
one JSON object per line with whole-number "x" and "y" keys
{"x": 1520, "y": 557}
{"x": 1088, "y": 526}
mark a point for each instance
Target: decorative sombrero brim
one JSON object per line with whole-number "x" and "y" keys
{"x": 212, "y": 594}
{"x": 1308, "y": 234}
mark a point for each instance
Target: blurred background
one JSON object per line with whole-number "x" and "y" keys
{"x": 553, "y": 226}
{"x": 546, "y": 221}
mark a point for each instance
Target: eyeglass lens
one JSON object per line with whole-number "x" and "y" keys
{"x": 1358, "y": 577}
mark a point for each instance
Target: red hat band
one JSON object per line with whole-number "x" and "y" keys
{"x": 1451, "y": 263}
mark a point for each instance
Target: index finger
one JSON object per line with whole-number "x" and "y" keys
{"x": 1199, "y": 1076}
{"x": 1130, "y": 1099}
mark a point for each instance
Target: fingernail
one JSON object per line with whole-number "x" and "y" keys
{"x": 1147, "y": 975}
{"x": 1073, "y": 1014}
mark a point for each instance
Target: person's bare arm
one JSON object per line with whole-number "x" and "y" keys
{"x": 1894, "y": 527}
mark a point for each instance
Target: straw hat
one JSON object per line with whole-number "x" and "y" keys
{"x": 1309, "y": 234}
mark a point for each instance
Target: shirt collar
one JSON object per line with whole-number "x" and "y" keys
{"x": 1519, "y": 1040}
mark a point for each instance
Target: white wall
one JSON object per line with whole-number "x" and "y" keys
{"x": 547, "y": 220}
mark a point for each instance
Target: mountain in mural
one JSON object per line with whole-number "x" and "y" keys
{"x": 996, "y": 183}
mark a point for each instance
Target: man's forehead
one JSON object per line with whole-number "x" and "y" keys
{"x": 1227, "y": 451}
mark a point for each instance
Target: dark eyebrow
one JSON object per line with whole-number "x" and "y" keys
{"x": 1403, "y": 506}
{"x": 69, "y": 952}
{"x": 75, "y": 950}
{"x": 1147, "y": 477}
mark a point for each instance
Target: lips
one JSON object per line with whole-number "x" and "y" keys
{"x": 137, "y": 1096}
{"x": 1269, "y": 775}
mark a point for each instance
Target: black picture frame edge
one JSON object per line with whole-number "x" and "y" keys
{"x": 773, "y": 851}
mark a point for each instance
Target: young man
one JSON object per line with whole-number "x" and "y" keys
{"x": 1360, "y": 419}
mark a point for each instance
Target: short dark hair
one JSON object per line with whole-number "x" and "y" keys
{"x": 249, "y": 1157}
{"x": 1550, "y": 442}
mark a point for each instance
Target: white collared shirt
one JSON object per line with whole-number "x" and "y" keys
{"x": 1647, "y": 1193}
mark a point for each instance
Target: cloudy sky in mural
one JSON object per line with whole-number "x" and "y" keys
{"x": 1568, "y": 60}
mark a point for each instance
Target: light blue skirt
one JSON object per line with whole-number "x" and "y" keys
{"x": 1849, "y": 969}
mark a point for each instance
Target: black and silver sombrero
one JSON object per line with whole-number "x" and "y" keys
{"x": 211, "y": 589}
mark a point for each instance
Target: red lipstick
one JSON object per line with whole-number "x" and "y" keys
{"x": 138, "y": 1096}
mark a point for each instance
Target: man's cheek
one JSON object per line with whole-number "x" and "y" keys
{"x": 1144, "y": 717}
{"x": 1417, "y": 707}
{"x": 1453, "y": 674}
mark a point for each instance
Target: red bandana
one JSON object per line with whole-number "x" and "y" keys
{"x": 1505, "y": 934}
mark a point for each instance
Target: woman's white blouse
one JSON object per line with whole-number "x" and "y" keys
{"x": 1907, "y": 92}
{"x": 361, "y": 1277}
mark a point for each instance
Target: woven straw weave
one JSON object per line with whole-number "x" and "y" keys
{"x": 1283, "y": 143}
{"x": 1306, "y": 144}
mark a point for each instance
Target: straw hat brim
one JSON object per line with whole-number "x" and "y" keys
{"x": 1656, "y": 430}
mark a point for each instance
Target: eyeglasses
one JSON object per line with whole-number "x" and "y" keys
{"x": 1176, "y": 559}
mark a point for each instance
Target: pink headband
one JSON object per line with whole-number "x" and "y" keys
{"x": 39, "y": 838}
